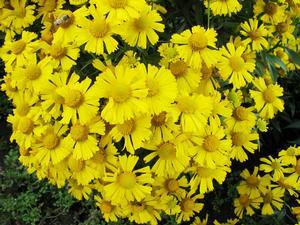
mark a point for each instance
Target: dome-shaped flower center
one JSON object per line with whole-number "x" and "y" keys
{"x": 33, "y": 72}
{"x": 138, "y": 207}
{"x": 24, "y": 151}
{"x": 153, "y": 87}
{"x": 117, "y": 3}
{"x": 186, "y": 104}
{"x": 270, "y": 8}
{"x": 255, "y": 34}
{"x": 140, "y": 24}
{"x": 244, "y": 200}
{"x": 252, "y": 181}
{"x": 57, "y": 51}
{"x": 240, "y": 113}
{"x": 99, "y": 28}
{"x": 204, "y": 172}
{"x": 275, "y": 165}
{"x": 206, "y": 71}
{"x": 20, "y": 12}
{"x": 127, "y": 180}
{"x": 22, "y": 109}
{"x": 269, "y": 95}
{"x": 268, "y": 197}
{"x": 74, "y": 98}
{"x": 167, "y": 151}
{"x": 280, "y": 53}
{"x": 79, "y": 132}
{"x": 297, "y": 167}
{"x": 25, "y": 125}
{"x": 67, "y": 19}
{"x": 51, "y": 141}
{"x": 18, "y": 47}
{"x": 236, "y": 63}
{"x": 187, "y": 205}
{"x": 159, "y": 120}
{"x": 211, "y": 143}
{"x": 239, "y": 138}
{"x": 58, "y": 99}
{"x": 100, "y": 156}
{"x": 127, "y": 127}
{"x": 178, "y": 68}
{"x": 282, "y": 27}
{"x": 172, "y": 185}
{"x": 106, "y": 207}
{"x": 120, "y": 92}
{"x": 198, "y": 41}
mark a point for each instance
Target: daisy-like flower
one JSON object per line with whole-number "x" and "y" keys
{"x": 198, "y": 221}
{"x": 79, "y": 191}
{"x": 168, "y": 53}
{"x": 193, "y": 111}
{"x": 162, "y": 88}
{"x": 197, "y": 46}
{"x": 33, "y": 75}
{"x": 294, "y": 177}
{"x": 253, "y": 184}
{"x": 255, "y": 34}
{"x": 267, "y": 101}
{"x": 126, "y": 90}
{"x": 168, "y": 162}
{"x": 134, "y": 131}
{"x": 215, "y": 147}
{"x": 18, "y": 53}
{"x": 285, "y": 31}
{"x": 189, "y": 205}
{"x": 82, "y": 139}
{"x": 272, "y": 11}
{"x": 187, "y": 78}
{"x": 246, "y": 203}
{"x": 110, "y": 212}
{"x": 81, "y": 100}
{"x": 120, "y": 9}
{"x": 124, "y": 184}
{"x": 289, "y": 156}
{"x": 51, "y": 146}
{"x": 242, "y": 141}
{"x": 271, "y": 165}
{"x": 46, "y": 8}
{"x": 234, "y": 66}
{"x": 97, "y": 33}
{"x": 137, "y": 31}
{"x": 272, "y": 199}
{"x": 224, "y": 7}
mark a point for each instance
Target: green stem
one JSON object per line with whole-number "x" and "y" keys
{"x": 208, "y": 14}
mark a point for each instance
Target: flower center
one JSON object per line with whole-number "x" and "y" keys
{"x": 268, "y": 197}
{"x": 206, "y": 71}
{"x": 25, "y": 125}
{"x": 244, "y": 200}
{"x": 106, "y": 207}
{"x": 280, "y": 53}
{"x": 239, "y": 138}
{"x": 270, "y": 8}
{"x": 57, "y": 51}
{"x": 204, "y": 172}
{"x": 172, "y": 185}
{"x": 198, "y": 41}
{"x": 118, "y": 3}
{"x": 51, "y": 141}
{"x": 282, "y": 27}
{"x": 187, "y": 205}
{"x": 23, "y": 109}
{"x": 100, "y": 156}
{"x": 127, "y": 180}
{"x": 153, "y": 87}
{"x": 255, "y": 34}
{"x": 240, "y": 113}
{"x": 33, "y": 72}
{"x": 178, "y": 68}
{"x": 269, "y": 95}
{"x": 99, "y": 28}
{"x": 159, "y": 120}
{"x": 74, "y": 98}
{"x": 127, "y": 127}
{"x": 252, "y": 181}
{"x": 236, "y": 63}
{"x": 275, "y": 165}
{"x": 120, "y": 93}
{"x": 79, "y": 132}
{"x": 140, "y": 24}
{"x": 186, "y": 104}
{"x": 167, "y": 151}
{"x": 211, "y": 143}
{"x": 18, "y": 47}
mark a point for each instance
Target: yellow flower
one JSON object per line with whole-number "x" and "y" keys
{"x": 272, "y": 198}
{"x": 271, "y": 165}
{"x": 267, "y": 101}
{"x": 197, "y": 46}
{"x": 272, "y": 11}
{"x": 256, "y": 34}
{"x": 198, "y": 221}
{"x": 235, "y": 66}
{"x": 46, "y": 8}
{"x": 284, "y": 30}
{"x": 97, "y": 33}
{"x": 110, "y": 212}
{"x": 138, "y": 30}
{"x": 294, "y": 176}
{"x": 135, "y": 132}
{"x": 126, "y": 90}
{"x": 289, "y": 156}
{"x": 79, "y": 191}
{"x": 124, "y": 184}
{"x": 208, "y": 83}
{"x": 245, "y": 203}
{"x": 224, "y": 7}
{"x": 77, "y": 2}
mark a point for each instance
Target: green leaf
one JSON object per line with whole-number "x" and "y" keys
{"x": 294, "y": 125}
{"x": 294, "y": 56}
{"x": 273, "y": 71}
{"x": 276, "y": 60}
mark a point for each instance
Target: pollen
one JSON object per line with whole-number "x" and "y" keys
{"x": 270, "y": 8}
{"x": 252, "y": 181}
{"x": 211, "y": 143}
{"x": 51, "y": 141}
{"x": 159, "y": 120}
{"x": 99, "y": 28}
{"x": 172, "y": 185}
{"x": 244, "y": 200}
{"x": 198, "y": 41}
{"x": 74, "y": 98}
{"x": 268, "y": 95}
{"x": 79, "y": 132}
{"x": 178, "y": 68}
{"x": 240, "y": 113}
{"x": 57, "y": 51}
{"x": 187, "y": 205}
{"x": 167, "y": 151}
{"x": 127, "y": 127}
{"x": 127, "y": 180}
{"x": 282, "y": 27}
{"x": 236, "y": 63}
{"x": 106, "y": 207}
{"x": 140, "y": 24}
{"x": 33, "y": 72}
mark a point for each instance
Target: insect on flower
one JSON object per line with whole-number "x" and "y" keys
{"x": 61, "y": 20}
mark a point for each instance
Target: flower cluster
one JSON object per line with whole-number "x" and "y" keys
{"x": 146, "y": 139}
